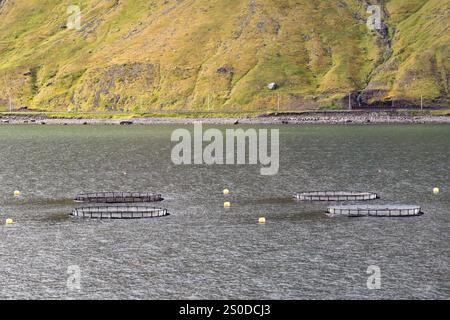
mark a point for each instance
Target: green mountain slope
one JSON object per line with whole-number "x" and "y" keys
{"x": 220, "y": 54}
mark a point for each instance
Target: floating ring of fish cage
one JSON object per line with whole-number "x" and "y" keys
{"x": 118, "y": 197}
{"x": 119, "y": 212}
{"x": 335, "y": 196}
{"x": 375, "y": 210}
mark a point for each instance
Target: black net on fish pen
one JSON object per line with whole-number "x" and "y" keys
{"x": 375, "y": 210}
{"x": 119, "y": 212}
{"x": 335, "y": 196}
{"x": 118, "y": 197}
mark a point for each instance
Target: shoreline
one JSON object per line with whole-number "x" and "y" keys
{"x": 330, "y": 117}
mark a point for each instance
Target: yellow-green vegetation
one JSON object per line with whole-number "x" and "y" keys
{"x": 130, "y": 116}
{"x": 161, "y": 56}
{"x": 420, "y": 61}
{"x": 443, "y": 112}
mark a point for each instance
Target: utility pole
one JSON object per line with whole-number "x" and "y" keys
{"x": 350, "y": 101}
{"x": 421, "y": 102}
{"x": 278, "y": 102}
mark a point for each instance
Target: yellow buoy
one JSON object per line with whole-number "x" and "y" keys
{"x": 436, "y": 190}
{"x": 227, "y": 205}
{"x": 262, "y": 220}
{"x": 9, "y": 221}
{"x": 226, "y": 191}
{"x": 17, "y": 193}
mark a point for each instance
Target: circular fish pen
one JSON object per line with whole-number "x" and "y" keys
{"x": 119, "y": 212}
{"x": 375, "y": 210}
{"x": 336, "y": 196}
{"x": 118, "y": 197}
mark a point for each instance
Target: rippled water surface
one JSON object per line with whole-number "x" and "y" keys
{"x": 203, "y": 251}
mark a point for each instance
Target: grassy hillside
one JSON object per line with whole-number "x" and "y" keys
{"x": 219, "y": 55}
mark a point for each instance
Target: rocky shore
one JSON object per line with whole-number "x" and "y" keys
{"x": 342, "y": 118}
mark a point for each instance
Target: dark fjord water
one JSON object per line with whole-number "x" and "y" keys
{"x": 203, "y": 251}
